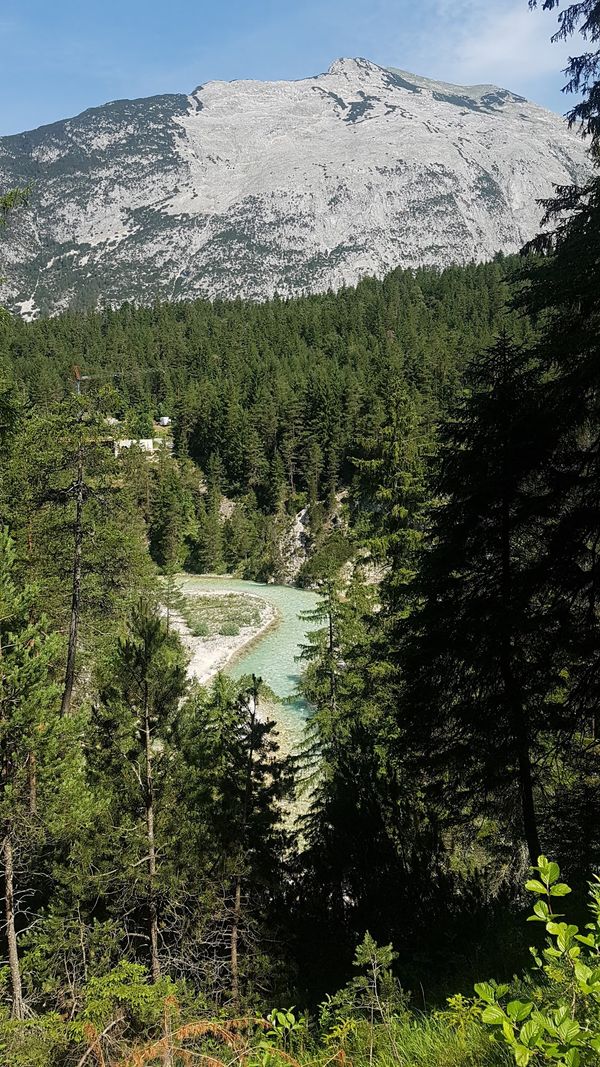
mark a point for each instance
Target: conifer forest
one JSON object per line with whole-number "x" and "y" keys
{"x": 178, "y": 884}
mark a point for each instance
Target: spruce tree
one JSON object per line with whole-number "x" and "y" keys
{"x": 561, "y": 295}
{"x": 231, "y": 787}
{"x": 483, "y": 660}
{"x": 133, "y": 724}
{"x": 583, "y": 71}
{"x": 367, "y": 841}
{"x": 76, "y": 531}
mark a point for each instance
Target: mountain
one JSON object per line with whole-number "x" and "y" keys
{"x": 249, "y": 188}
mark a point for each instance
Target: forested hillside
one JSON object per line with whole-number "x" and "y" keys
{"x": 271, "y": 402}
{"x": 172, "y": 882}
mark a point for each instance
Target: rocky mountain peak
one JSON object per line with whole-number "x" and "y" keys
{"x": 249, "y": 188}
{"x": 353, "y": 67}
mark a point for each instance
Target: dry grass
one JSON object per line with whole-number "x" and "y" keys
{"x": 172, "y": 1047}
{"x": 177, "y": 1048}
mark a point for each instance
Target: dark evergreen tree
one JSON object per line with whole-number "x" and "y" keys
{"x": 229, "y": 816}
{"x": 483, "y": 662}
{"x": 145, "y": 682}
{"x": 38, "y": 762}
{"x": 583, "y": 71}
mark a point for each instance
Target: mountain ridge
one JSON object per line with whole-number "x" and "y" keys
{"x": 248, "y": 188}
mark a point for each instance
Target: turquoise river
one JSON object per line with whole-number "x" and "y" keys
{"x": 273, "y": 657}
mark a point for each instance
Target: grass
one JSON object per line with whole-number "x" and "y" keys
{"x": 416, "y": 1041}
{"x": 433, "y": 1041}
{"x": 439, "y": 1039}
{"x": 224, "y": 614}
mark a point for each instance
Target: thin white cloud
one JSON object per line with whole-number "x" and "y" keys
{"x": 501, "y": 42}
{"x": 511, "y": 45}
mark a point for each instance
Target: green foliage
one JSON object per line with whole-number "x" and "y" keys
{"x": 138, "y": 423}
{"x": 229, "y": 783}
{"x": 287, "y": 1034}
{"x": 280, "y": 392}
{"x": 172, "y": 516}
{"x": 27, "y": 695}
{"x": 125, "y": 991}
{"x": 114, "y": 1010}
{"x": 326, "y": 558}
{"x": 40, "y": 468}
{"x": 452, "y": 707}
{"x": 374, "y": 994}
{"x": 10, "y": 201}
{"x": 371, "y": 1021}
{"x": 583, "y": 72}
{"x": 479, "y": 608}
{"x": 560, "y": 1022}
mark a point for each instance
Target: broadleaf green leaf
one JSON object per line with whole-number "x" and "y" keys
{"x": 485, "y": 991}
{"x": 535, "y": 887}
{"x": 493, "y": 1014}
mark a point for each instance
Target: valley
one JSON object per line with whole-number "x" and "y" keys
{"x": 300, "y": 542}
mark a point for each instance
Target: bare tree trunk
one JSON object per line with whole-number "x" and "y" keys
{"x": 149, "y": 795}
{"x": 527, "y": 801}
{"x": 17, "y": 1006}
{"x": 234, "y": 962}
{"x": 167, "y": 1057}
{"x": 75, "y": 588}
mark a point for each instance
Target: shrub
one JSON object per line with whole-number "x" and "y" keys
{"x": 560, "y": 1022}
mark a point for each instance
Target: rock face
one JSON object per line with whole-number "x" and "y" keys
{"x": 251, "y": 188}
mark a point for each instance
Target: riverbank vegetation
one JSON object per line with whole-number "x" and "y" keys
{"x": 437, "y": 432}
{"x": 220, "y": 613}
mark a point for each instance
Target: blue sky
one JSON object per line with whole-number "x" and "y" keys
{"x": 57, "y": 58}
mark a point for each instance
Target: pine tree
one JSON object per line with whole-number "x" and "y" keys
{"x": 389, "y": 491}
{"x": 28, "y": 739}
{"x": 9, "y": 411}
{"x": 368, "y": 842}
{"x": 563, "y": 289}
{"x": 561, "y": 294}
{"x": 172, "y": 520}
{"x": 209, "y": 550}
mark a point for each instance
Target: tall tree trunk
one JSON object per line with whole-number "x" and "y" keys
{"x": 518, "y": 721}
{"x": 17, "y": 1003}
{"x": 149, "y": 795}
{"x": 75, "y": 587}
{"x": 332, "y": 677}
{"x": 513, "y": 697}
{"x": 234, "y": 961}
{"x": 530, "y": 826}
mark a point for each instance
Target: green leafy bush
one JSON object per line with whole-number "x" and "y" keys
{"x": 560, "y": 1022}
